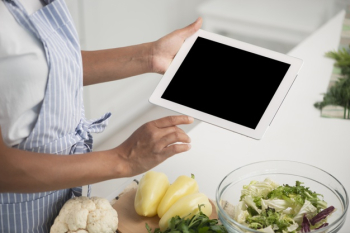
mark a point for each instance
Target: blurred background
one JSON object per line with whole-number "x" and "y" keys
{"x": 278, "y": 25}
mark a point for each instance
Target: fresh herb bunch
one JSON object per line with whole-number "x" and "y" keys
{"x": 339, "y": 93}
{"x": 199, "y": 223}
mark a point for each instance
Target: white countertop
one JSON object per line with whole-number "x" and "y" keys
{"x": 297, "y": 133}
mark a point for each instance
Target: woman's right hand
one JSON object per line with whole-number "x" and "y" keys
{"x": 151, "y": 144}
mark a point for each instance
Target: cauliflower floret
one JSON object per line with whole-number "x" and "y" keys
{"x": 102, "y": 221}
{"x": 101, "y": 203}
{"x": 77, "y": 219}
{"x": 86, "y": 215}
{"x": 59, "y": 225}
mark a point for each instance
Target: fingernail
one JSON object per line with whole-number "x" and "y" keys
{"x": 189, "y": 146}
{"x": 190, "y": 119}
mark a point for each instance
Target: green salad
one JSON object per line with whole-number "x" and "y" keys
{"x": 268, "y": 207}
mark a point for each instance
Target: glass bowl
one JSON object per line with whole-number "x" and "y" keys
{"x": 282, "y": 172}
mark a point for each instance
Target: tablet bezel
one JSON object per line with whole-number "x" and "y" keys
{"x": 272, "y": 108}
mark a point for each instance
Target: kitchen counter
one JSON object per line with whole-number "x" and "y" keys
{"x": 297, "y": 133}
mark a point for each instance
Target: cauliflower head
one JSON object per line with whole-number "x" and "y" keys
{"x": 86, "y": 215}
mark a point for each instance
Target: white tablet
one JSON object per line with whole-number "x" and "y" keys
{"x": 227, "y": 83}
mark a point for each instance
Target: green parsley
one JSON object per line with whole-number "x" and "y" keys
{"x": 199, "y": 223}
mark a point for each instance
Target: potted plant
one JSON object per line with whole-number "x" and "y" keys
{"x": 339, "y": 93}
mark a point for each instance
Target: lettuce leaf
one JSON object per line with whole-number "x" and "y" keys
{"x": 240, "y": 213}
{"x": 258, "y": 189}
{"x": 277, "y": 204}
{"x": 307, "y": 209}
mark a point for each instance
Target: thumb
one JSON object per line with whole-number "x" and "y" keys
{"x": 191, "y": 29}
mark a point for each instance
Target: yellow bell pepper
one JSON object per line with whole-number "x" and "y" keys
{"x": 182, "y": 186}
{"x": 150, "y": 191}
{"x": 186, "y": 206}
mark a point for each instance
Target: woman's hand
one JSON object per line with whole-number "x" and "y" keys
{"x": 151, "y": 144}
{"x": 164, "y": 50}
{"x": 28, "y": 172}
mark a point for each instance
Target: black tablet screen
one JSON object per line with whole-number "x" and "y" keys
{"x": 226, "y": 82}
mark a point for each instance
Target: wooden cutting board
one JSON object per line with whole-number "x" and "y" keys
{"x": 130, "y": 222}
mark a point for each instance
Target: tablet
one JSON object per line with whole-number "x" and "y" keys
{"x": 227, "y": 83}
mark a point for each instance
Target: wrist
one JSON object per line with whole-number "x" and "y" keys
{"x": 119, "y": 165}
{"x": 150, "y": 56}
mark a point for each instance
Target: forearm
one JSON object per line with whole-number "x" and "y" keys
{"x": 23, "y": 171}
{"x": 113, "y": 64}
{"x": 148, "y": 146}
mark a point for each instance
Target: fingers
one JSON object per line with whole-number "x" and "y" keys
{"x": 172, "y": 129}
{"x": 174, "y": 138}
{"x": 172, "y": 121}
{"x": 169, "y": 143}
{"x": 176, "y": 149}
{"x": 191, "y": 29}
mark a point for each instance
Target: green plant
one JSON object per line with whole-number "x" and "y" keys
{"x": 339, "y": 93}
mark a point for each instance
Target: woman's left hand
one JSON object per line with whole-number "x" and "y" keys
{"x": 164, "y": 50}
